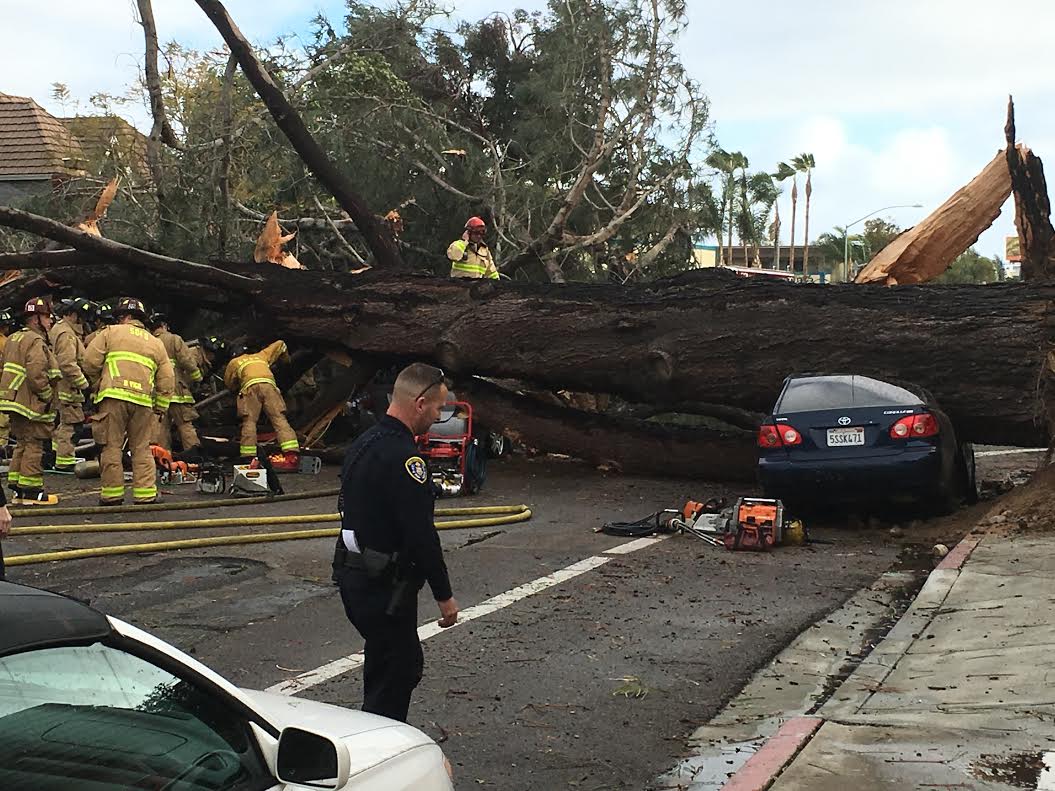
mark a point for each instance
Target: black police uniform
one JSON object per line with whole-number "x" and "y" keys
{"x": 387, "y": 500}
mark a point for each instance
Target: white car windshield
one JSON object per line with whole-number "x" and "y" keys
{"x": 97, "y": 718}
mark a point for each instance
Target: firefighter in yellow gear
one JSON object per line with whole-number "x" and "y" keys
{"x": 65, "y": 336}
{"x": 470, "y": 256}
{"x": 27, "y": 393}
{"x": 7, "y": 325}
{"x": 135, "y": 383}
{"x": 102, "y": 316}
{"x": 250, "y": 376}
{"x": 181, "y": 413}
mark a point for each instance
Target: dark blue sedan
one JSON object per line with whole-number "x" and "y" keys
{"x": 845, "y": 438}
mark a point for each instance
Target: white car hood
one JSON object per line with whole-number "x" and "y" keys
{"x": 371, "y": 740}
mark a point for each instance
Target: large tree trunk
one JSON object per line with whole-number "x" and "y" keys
{"x": 705, "y": 336}
{"x": 375, "y": 234}
{"x": 1032, "y": 206}
{"x": 625, "y": 444}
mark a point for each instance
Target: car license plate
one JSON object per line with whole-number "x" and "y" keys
{"x": 843, "y": 437}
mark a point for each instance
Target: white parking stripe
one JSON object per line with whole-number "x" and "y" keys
{"x": 345, "y": 664}
{"x": 1046, "y": 781}
{"x": 1012, "y": 452}
{"x": 634, "y": 546}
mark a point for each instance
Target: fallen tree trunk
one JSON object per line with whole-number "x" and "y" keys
{"x": 628, "y": 445}
{"x": 706, "y": 336}
{"x": 926, "y": 250}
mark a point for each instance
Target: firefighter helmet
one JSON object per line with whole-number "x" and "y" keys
{"x": 157, "y": 318}
{"x": 37, "y": 306}
{"x": 7, "y": 318}
{"x": 130, "y": 306}
{"x": 475, "y": 224}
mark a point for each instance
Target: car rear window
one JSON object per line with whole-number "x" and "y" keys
{"x": 836, "y": 392}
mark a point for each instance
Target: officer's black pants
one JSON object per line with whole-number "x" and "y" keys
{"x": 394, "y": 660}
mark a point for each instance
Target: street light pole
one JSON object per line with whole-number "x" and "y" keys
{"x": 846, "y": 233}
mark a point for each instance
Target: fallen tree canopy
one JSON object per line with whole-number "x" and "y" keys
{"x": 702, "y": 337}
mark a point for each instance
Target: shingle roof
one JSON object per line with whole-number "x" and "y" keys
{"x": 110, "y": 137}
{"x": 34, "y": 143}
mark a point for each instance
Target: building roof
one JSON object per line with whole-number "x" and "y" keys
{"x": 110, "y": 138}
{"x": 33, "y": 143}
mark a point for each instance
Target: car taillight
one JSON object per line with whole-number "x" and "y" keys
{"x": 770, "y": 436}
{"x": 915, "y": 427}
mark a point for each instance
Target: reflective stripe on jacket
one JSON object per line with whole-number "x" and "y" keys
{"x": 69, "y": 353}
{"x": 250, "y": 369}
{"x": 184, "y": 362}
{"x": 469, "y": 261}
{"x": 131, "y": 365}
{"x": 25, "y": 388}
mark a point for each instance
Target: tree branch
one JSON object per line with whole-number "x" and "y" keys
{"x": 106, "y": 248}
{"x": 161, "y": 130}
{"x": 375, "y": 234}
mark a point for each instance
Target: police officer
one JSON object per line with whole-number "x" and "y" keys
{"x": 389, "y": 547}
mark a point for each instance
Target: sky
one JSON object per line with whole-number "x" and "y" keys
{"x": 900, "y": 102}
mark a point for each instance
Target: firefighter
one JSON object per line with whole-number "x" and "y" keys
{"x": 470, "y": 256}
{"x": 26, "y": 394}
{"x": 181, "y": 414}
{"x": 250, "y": 377}
{"x": 135, "y": 383}
{"x": 7, "y": 325}
{"x": 102, "y": 315}
{"x": 66, "y": 343}
{"x": 212, "y": 354}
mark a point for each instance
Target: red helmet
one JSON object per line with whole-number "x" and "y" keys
{"x": 475, "y": 223}
{"x": 38, "y": 306}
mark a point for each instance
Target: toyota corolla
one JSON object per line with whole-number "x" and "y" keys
{"x": 851, "y": 438}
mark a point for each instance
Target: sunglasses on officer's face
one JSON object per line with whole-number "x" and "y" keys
{"x": 439, "y": 381}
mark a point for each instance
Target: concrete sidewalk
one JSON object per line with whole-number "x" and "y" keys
{"x": 959, "y": 695}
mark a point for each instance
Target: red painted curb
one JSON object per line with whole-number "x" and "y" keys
{"x": 960, "y": 553}
{"x": 764, "y": 766}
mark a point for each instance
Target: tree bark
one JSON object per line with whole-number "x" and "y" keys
{"x": 375, "y": 234}
{"x": 1032, "y": 206}
{"x": 704, "y": 336}
{"x": 629, "y": 445}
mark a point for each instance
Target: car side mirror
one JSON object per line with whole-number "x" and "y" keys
{"x": 311, "y": 760}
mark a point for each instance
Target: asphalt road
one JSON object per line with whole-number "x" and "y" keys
{"x": 593, "y": 683}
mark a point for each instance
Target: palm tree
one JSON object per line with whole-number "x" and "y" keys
{"x": 758, "y": 195}
{"x": 784, "y": 172}
{"x": 774, "y": 232}
{"x": 727, "y": 164}
{"x": 805, "y": 163}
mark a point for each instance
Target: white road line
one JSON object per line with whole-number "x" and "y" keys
{"x": 1046, "y": 781}
{"x": 338, "y": 667}
{"x": 1011, "y": 452}
{"x": 634, "y": 546}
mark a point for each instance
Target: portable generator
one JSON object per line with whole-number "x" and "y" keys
{"x": 455, "y": 458}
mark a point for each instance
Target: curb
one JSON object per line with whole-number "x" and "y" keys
{"x": 778, "y": 751}
{"x": 763, "y": 768}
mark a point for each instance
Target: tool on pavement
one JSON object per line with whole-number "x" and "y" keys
{"x": 757, "y": 524}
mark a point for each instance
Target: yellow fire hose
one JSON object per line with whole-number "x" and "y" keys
{"x": 508, "y": 514}
{"x": 87, "y": 510}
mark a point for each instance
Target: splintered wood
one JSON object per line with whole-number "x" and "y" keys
{"x": 270, "y": 243}
{"x": 925, "y": 251}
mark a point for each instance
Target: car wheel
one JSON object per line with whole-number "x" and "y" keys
{"x": 497, "y": 445}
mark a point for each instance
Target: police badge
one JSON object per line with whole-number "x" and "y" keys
{"x": 417, "y": 469}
